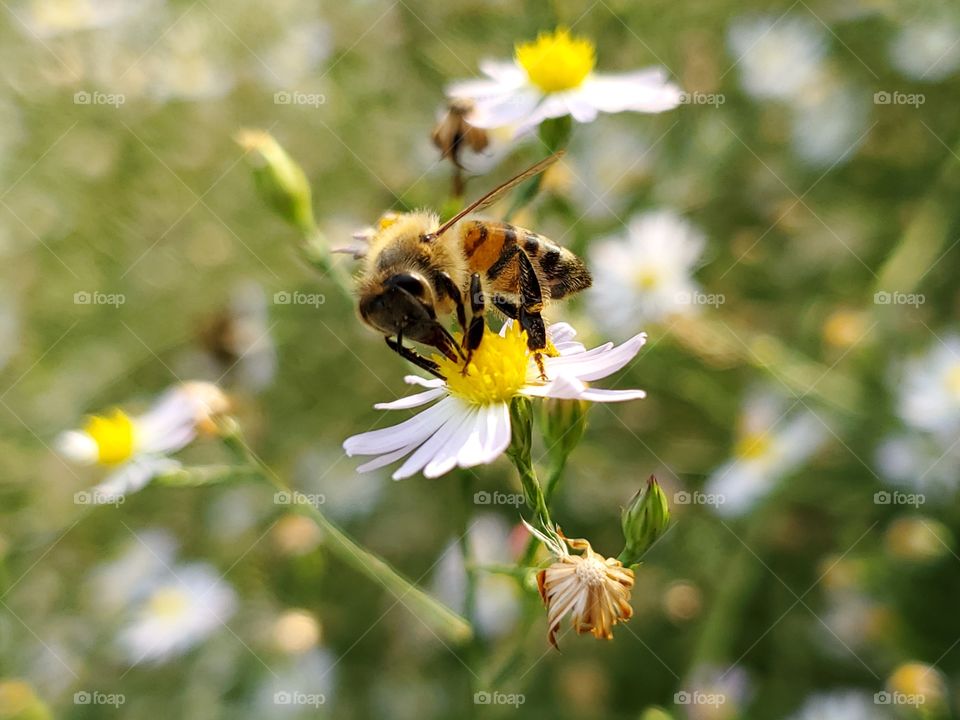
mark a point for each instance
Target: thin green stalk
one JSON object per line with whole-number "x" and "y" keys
{"x": 438, "y": 616}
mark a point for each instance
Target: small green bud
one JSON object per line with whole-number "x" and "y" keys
{"x": 280, "y": 180}
{"x": 643, "y": 521}
{"x": 563, "y": 423}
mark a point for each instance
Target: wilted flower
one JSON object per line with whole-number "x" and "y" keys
{"x": 138, "y": 447}
{"x": 471, "y": 423}
{"x": 647, "y": 274}
{"x": 771, "y": 444}
{"x": 454, "y": 132}
{"x": 553, "y": 77}
{"x": 178, "y": 614}
{"x": 592, "y": 589}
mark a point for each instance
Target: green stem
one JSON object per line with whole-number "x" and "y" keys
{"x": 438, "y": 616}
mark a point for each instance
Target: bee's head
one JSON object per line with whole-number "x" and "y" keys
{"x": 404, "y": 307}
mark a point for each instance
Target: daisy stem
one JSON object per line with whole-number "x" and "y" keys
{"x": 441, "y": 619}
{"x": 521, "y": 428}
{"x": 553, "y": 479}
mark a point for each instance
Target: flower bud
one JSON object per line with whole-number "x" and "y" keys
{"x": 643, "y": 521}
{"x": 563, "y": 423}
{"x": 280, "y": 180}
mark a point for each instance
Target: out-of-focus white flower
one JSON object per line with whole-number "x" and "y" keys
{"x": 189, "y": 62}
{"x": 552, "y": 77}
{"x": 729, "y": 688}
{"x": 48, "y": 18}
{"x": 929, "y": 393}
{"x": 470, "y": 425}
{"x": 927, "y": 48}
{"x": 178, "y": 614}
{"x": 286, "y": 63}
{"x": 115, "y": 585}
{"x": 778, "y": 57}
{"x": 346, "y": 495}
{"x": 497, "y": 596}
{"x": 304, "y": 685}
{"x": 828, "y": 122}
{"x": 770, "y": 445}
{"x": 840, "y": 705}
{"x": 138, "y": 447}
{"x": 921, "y": 462}
{"x": 648, "y": 273}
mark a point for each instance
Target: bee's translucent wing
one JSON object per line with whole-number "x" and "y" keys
{"x": 495, "y": 194}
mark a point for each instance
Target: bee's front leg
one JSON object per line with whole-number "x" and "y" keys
{"x": 473, "y": 335}
{"x": 528, "y": 314}
{"x": 413, "y": 356}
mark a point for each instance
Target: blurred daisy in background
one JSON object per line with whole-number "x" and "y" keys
{"x": 470, "y": 425}
{"x": 113, "y": 586}
{"x": 778, "y": 57}
{"x": 920, "y": 462}
{"x": 829, "y": 122}
{"x": 49, "y": 18}
{"x": 926, "y": 48}
{"x": 646, "y": 274}
{"x": 840, "y": 705}
{"x": 928, "y": 396}
{"x": 177, "y": 614}
{"x": 553, "y": 77}
{"x": 138, "y": 448}
{"x": 772, "y": 442}
{"x": 497, "y": 597}
{"x": 730, "y": 687}
{"x": 347, "y": 495}
{"x": 289, "y": 61}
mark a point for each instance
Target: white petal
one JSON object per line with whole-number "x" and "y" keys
{"x": 511, "y": 108}
{"x": 385, "y": 460}
{"x": 447, "y": 457}
{"x": 412, "y": 401}
{"x": 643, "y": 91}
{"x": 552, "y": 106}
{"x": 561, "y": 332}
{"x": 131, "y": 477}
{"x": 471, "y": 451}
{"x": 566, "y": 387}
{"x": 411, "y": 431}
{"x": 504, "y": 71}
{"x": 423, "y": 382}
{"x": 169, "y": 425}
{"x": 497, "y": 432}
{"x": 592, "y": 365}
{"x": 433, "y": 446}
{"x": 77, "y": 447}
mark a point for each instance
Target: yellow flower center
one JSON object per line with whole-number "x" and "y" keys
{"x": 953, "y": 380}
{"x": 168, "y": 603}
{"x": 647, "y": 279}
{"x": 556, "y": 61}
{"x": 497, "y": 370}
{"x": 753, "y": 446}
{"x": 115, "y": 436}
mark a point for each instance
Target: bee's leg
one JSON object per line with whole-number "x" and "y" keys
{"x": 413, "y": 356}
{"x": 531, "y": 305}
{"x": 448, "y": 287}
{"x": 474, "y": 334}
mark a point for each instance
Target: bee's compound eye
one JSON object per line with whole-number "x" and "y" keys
{"x": 411, "y": 283}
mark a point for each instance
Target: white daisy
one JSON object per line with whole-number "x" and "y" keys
{"x": 138, "y": 447}
{"x": 552, "y": 77}
{"x": 929, "y": 392}
{"x": 470, "y": 425}
{"x": 648, "y": 272}
{"x": 927, "y": 49}
{"x": 778, "y": 57}
{"x": 178, "y": 614}
{"x": 839, "y": 705}
{"x": 770, "y": 445}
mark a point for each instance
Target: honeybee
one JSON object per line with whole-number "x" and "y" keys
{"x": 417, "y": 271}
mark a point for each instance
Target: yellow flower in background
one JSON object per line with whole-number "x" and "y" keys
{"x": 137, "y": 448}
{"x": 554, "y": 76}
